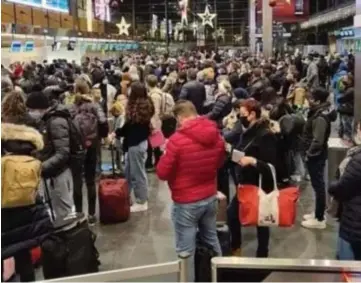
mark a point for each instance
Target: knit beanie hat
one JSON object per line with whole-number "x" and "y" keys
{"x": 37, "y": 100}
{"x": 320, "y": 94}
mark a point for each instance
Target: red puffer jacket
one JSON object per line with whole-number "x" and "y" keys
{"x": 192, "y": 157}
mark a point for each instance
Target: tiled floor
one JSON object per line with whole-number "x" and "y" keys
{"x": 148, "y": 237}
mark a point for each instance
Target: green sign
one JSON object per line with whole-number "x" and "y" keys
{"x": 358, "y": 45}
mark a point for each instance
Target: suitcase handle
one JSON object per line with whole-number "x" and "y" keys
{"x": 113, "y": 159}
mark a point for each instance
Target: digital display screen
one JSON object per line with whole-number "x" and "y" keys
{"x": 111, "y": 10}
{"x": 15, "y": 46}
{"x": 29, "y": 46}
{"x": 54, "y": 5}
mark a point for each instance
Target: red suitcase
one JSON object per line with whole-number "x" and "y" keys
{"x": 36, "y": 256}
{"x": 114, "y": 198}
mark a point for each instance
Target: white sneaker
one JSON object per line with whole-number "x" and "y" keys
{"x": 309, "y": 216}
{"x": 137, "y": 207}
{"x": 314, "y": 224}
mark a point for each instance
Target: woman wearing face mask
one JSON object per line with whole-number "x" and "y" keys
{"x": 347, "y": 192}
{"x": 260, "y": 147}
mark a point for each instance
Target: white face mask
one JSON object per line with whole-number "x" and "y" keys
{"x": 36, "y": 114}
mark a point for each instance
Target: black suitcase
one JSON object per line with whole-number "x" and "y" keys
{"x": 204, "y": 253}
{"x": 70, "y": 249}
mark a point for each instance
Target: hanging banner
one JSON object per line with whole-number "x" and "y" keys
{"x": 287, "y": 11}
{"x": 154, "y": 25}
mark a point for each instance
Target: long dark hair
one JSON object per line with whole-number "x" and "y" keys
{"x": 13, "y": 107}
{"x": 140, "y": 107}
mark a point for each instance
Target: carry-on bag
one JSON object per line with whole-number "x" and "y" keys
{"x": 222, "y": 207}
{"x": 70, "y": 249}
{"x": 156, "y": 139}
{"x": 202, "y": 261}
{"x": 224, "y": 237}
{"x": 36, "y": 256}
{"x": 114, "y": 198}
{"x": 277, "y": 208}
{"x": 204, "y": 253}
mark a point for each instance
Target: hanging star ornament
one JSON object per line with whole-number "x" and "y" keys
{"x": 238, "y": 38}
{"x": 123, "y": 27}
{"x": 219, "y": 33}
{"x": 207, "y": 17}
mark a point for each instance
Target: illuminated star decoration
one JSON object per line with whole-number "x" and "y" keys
{"x": 123, "y": 27}
{"x": 207, "y": 17}
{"x": 238, "y": 38}
{"x": 218, "y": 33}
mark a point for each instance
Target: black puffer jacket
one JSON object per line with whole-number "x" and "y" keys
{"x": 318, "y": 129}
{"x": 56, "y": 153}
{"x": 259, "y": 142}
{"x": 195, "y": 92}
{"x": 346, "y": 102}
{"x": 347, "y": 190}
{"x": 221, "y": 108}
{"x": 23, "y": 227}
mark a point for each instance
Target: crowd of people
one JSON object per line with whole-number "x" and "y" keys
{"x": 275, "y": 111}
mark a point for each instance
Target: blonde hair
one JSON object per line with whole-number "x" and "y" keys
{"x": 117, "y": 109}
{"x": 96, "y": 94}
{"x": 224, "y": 86}
{"x": 184, "y": 108}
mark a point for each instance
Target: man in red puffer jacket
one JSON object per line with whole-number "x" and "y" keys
{"x": 190, "y": 163}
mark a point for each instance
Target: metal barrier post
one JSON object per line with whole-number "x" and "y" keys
{"x": 183, "y": 269}
{"x": 214, "y": 272}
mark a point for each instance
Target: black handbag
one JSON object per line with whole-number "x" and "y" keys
{"x": 70, "y": 249}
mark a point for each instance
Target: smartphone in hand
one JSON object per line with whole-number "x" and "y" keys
{"x": 237, "y": 155}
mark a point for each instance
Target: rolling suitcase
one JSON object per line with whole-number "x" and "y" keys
{"x": 70, "y": 249}
{"x": 36, "y": 256}
{"x": 204, "y": 253}
{"x": 114, "y": 198}
{"x": 222, "y": 208}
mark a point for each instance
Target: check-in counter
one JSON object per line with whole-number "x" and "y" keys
{"x": 237, "y": 269}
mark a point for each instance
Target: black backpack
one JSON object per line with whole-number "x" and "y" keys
{"x": 76, "y": 140}
{"x": 70, "y": 249}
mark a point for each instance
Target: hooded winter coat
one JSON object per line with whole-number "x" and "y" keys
{"x": 191, "y": 160}
{"x": 56, "y": 132}
{"x": 347, "y": 191}
{"x": 23, "y": 227}
{"x": 318, "y": 129}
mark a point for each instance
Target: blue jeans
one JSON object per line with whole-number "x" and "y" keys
{"x": 347, "y": 123}
{"x": 347, "y": 250}
{"x": 135, "y": 171}
{"x": 189, "y": 217}
{"x": 263, "y": 233}
{"x": 298, "y": 164}
{"x": 316, "y": 168}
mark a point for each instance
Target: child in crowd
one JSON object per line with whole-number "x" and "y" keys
{"x": 117, "y": 111}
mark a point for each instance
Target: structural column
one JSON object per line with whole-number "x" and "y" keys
{"x": 357, "y": 25}
{"x": 267, "y": 25}
{"x": 252, "y": 25}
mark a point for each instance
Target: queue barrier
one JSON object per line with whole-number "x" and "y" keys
{"x": 292, "y": 266}
{"x": 126, "y": 274}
